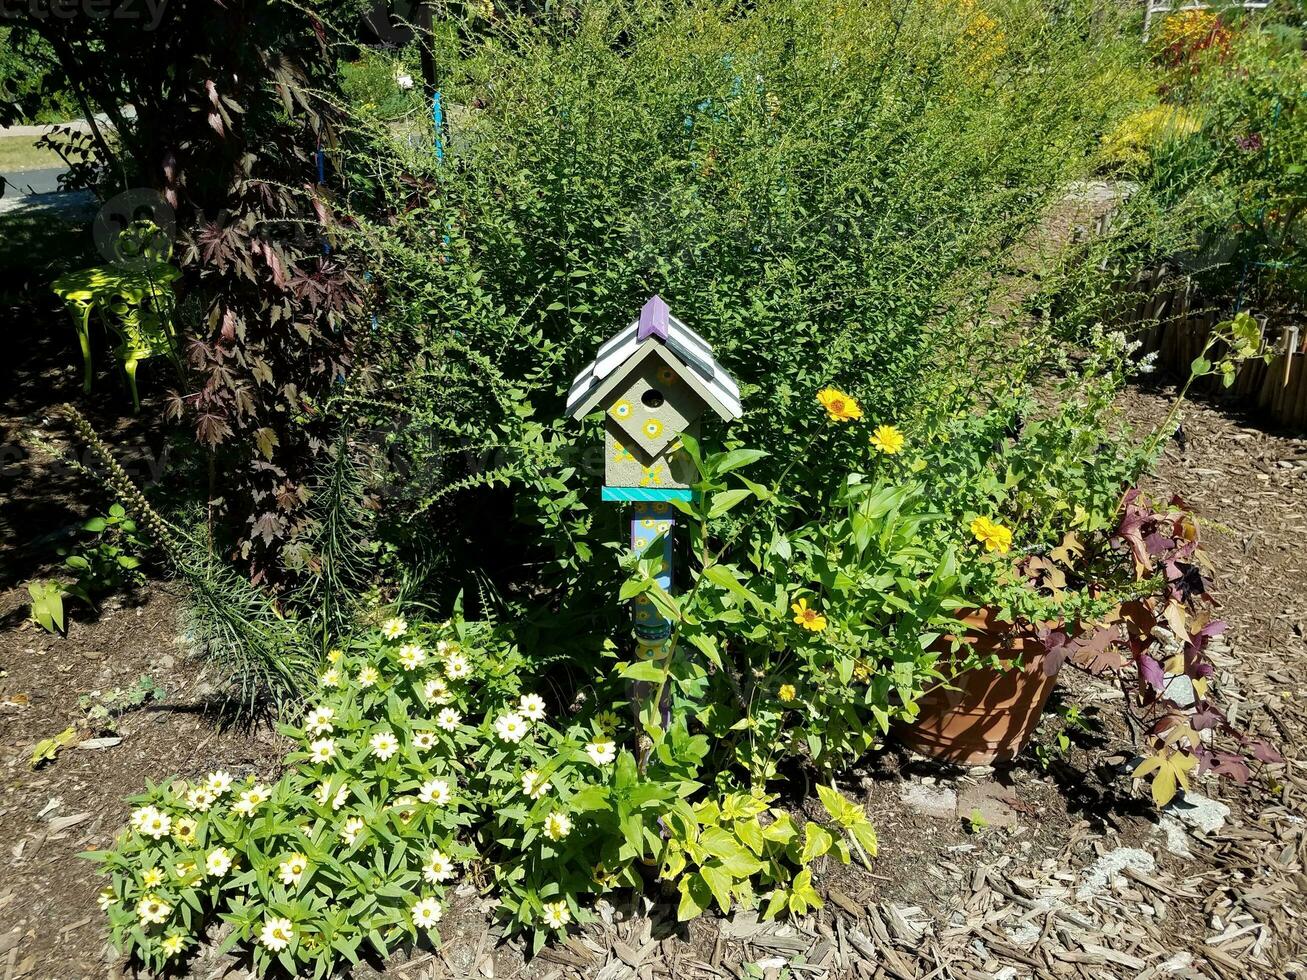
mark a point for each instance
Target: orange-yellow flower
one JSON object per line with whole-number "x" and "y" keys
{"x": 994, "y": 536}
{"x": 808, "y": 618}
{"x": 840, "y": 407}
{"x": 887, "y": 439}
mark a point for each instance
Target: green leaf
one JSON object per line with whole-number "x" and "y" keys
{"x": 726, "y": 847}
{"x": 721, "y": 575}
{"x": 817, "y": 841}
{"x": 643, "y": 670}
{"x": 632, "y": 588}
{"x": 1200, "y": 366}
{"x": 736, "y": 458}
{"x": 724, "y": 501}
{"x": 750, "y": 831}
{"x": 719, "y": 882}
{"x": 865, "y": 835}
{"x": 695, "y": 896}
{"x": 831, "y": 800}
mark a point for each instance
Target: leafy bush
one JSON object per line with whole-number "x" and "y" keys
{"x": 1242, "y": 79}
{"x": 823, "y": 190}
{"x": 420, "y": 763}
{"x": 234, "y": 129}
{"x": 381, "y": 85}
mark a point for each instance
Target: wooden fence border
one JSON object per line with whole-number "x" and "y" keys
{"x": 1178, "y": 325}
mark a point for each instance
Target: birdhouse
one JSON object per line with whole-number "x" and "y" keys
{"x": 654, "y": 381}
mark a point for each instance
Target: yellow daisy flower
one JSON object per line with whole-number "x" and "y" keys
{"x": 840, "y": 407}
{"x": 807, "y": 617}
{"x": 994, "y": 536}
{"x": 887, "y": 439}
{"x": 787, "y": 692}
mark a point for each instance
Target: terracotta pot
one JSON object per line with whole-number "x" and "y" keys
{"x": 983, "y": 715}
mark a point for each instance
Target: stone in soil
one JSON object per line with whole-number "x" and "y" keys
{"x": 989, "y": 799}
{"x": 1110, "y": 866}
{"x": 938, "y": 802}
{"x": 1198, "y": 811}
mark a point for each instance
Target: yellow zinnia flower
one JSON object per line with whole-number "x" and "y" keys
{"x": 809, "y": 619}
{"x": 887, "y": 439}
{"x": 994, "y": 536}
{"x": 840, "y": 407}
{"x": 787, "y": 692}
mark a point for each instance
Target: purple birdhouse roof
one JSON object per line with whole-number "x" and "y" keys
{"x": 655, "y": 332}
{"x": 653, "y": 320}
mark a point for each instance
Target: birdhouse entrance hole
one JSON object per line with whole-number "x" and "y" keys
{"x": 653, "y": 398}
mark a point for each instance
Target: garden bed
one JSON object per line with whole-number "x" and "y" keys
{"x": 978, "y": 900}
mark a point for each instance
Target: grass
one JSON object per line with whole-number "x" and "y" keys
{"x": 19, "y": 153}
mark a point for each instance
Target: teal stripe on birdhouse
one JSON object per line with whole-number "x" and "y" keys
{"x": 642, "y": 494}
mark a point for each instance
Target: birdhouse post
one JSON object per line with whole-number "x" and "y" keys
{"x": 654, "y": 381}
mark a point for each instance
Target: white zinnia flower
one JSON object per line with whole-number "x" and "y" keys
{"x": 323, "y": 750}
{"x": 434, "y": 791}
{"x": 384, "y": 745}
{"x": 218, "y": 862}
{"x": 218, "y": 782}
{"x": 330, "y": 678}
{"x": 510, "y": 727}
{"x": 556, "y": 915}
{"x": 533, "y": 707}
{"x": 557, "y": 825}
{"x": 153, "y": 910}
{"x": 424, "y": 740}
{"x": 457, "y": 667}
{"x": 155, "y": 823}
{"x": 448, "y": 719}
{"x": 318, "y": 721}
{"x": 436, "y": 691}
{"x": 350, "y": 831}
{"x": 292, "y": 869}
{"x": 393, "y": 629}
{"x": 323, "y": 794}
{"x": 200, "y": 798}
{"x": 601, "y": 751}
{"x": 426, "y": 913}
{"x": 438, "y": 867}
{"x": 411, "y": 656}
{"x": 276, "y": 934}
{"x": 250, "y": 800}
{"x": 533, "y": 786}
{"x": 368, "y": 676}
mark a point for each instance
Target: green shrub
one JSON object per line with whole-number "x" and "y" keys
{"x": 824, "y": 190}
{"x": 1248, "y": 165}
{"x": 382, "y": 85}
